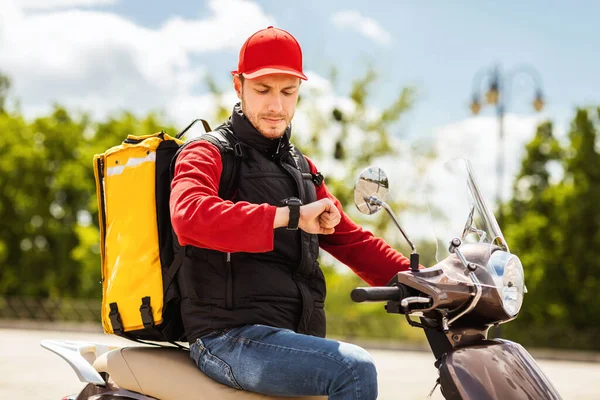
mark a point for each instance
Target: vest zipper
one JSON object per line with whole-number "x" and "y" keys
{"x": 229, "y": 294}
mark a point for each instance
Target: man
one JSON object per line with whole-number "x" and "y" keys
{"x": 253, "y": 292}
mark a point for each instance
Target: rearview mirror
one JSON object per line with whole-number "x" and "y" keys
{"x": 371, "y": 185}
{"x": 370, "y": 194}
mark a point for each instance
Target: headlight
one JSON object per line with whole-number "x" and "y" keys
{"x": 507, "y": 272}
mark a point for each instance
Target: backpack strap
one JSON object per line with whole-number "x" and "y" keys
{"x": 205, "y": 125}
{"x": 232, "y": 153}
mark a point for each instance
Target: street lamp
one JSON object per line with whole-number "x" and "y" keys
{"x": 497, "y": 94}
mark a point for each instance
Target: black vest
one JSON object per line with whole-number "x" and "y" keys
{"x": 285, "y": 287}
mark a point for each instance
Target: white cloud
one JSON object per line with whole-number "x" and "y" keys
{"x": 477, "y": 139}
{"x": 101, "y": 62}
{"x": 366, "y": 26}
{"x": 54, "y": 4}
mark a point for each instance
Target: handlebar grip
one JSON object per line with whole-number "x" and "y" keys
{"x": 378, "y": 293}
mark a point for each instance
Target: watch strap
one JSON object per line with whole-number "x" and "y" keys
{"x": 293, "y": 205}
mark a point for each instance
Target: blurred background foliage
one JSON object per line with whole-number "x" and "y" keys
{"x": 49, "y": 226}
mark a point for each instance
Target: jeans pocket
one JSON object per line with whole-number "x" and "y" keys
{"x": 217, "y": 369}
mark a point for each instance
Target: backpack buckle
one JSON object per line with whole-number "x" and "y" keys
{"x": 237, "y": 150}
{"x": 318, "y": 179}
{"x": 115, "y": 319}
{"x": 146, "y": 313}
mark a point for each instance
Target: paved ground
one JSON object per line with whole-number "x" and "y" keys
{"x": 27, "y": 371}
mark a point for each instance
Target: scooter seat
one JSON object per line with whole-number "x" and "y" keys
{"x": 169, "y": 374}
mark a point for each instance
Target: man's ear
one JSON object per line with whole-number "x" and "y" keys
{"x": 237, "y": 85}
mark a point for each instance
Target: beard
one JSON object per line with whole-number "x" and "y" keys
{"x": 266, "y": 129}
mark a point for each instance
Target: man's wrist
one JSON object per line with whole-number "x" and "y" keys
{"x": 282, "y": 217}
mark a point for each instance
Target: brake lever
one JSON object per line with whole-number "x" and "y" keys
{"x": 415, "y": 299}
{"x": 405, "y": 303}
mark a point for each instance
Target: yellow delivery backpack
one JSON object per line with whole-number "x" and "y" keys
{"x": 136, "y": 242}
{"x": 140, "y": 254}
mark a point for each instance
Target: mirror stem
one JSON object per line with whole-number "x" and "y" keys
{"x": 389, "y": 211}
{"x": 414, "y": 257}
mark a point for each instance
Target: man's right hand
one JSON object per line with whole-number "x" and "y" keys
{"x": 320, "y": 217}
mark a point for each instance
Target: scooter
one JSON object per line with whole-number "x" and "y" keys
{"x": 476, "y": 284}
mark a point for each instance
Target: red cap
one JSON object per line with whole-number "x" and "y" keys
{"x": 270, "y": 51}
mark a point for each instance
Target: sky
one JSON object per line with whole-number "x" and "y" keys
{"x": 100, "y": 56}
{"x": 438, "y": 47}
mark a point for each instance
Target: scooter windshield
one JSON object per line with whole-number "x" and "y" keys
{"x": 458, "y": 209}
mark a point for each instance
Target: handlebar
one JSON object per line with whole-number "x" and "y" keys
{"x": 378, "y": 293}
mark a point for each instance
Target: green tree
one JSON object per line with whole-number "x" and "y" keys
{"x": 42, "y": 187}
{"x": 555, "y": 229}
{"x": 361, "y": 133}
{"x": 49, "y": 236}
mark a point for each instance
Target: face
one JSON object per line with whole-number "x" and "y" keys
{"x": 269, "y": 102}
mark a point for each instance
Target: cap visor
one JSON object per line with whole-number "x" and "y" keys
{"x": 270, "y": 71}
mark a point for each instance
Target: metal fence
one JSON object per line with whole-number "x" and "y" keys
{"x": 72, "y": 310}
{"x": 51, "y": 310}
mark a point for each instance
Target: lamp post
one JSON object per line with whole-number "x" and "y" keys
{"x": 497, "y": 94}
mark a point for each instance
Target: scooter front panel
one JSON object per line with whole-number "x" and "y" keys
{"x": 494, "y": 369}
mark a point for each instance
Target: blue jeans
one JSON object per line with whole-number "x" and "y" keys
{"x": 280, "y": 362}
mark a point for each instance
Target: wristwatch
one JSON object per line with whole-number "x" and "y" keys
{"x": 293, "y": 204}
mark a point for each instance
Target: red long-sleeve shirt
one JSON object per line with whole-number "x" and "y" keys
{"x": 197, "y": 214}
